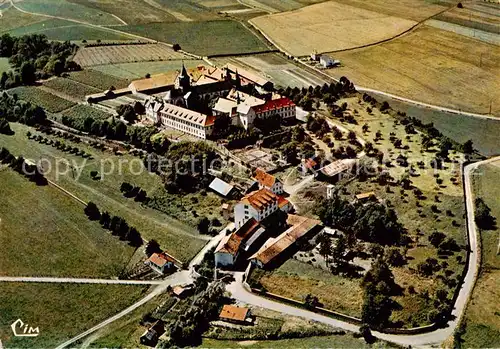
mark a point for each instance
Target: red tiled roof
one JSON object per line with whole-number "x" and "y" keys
{"x": 230, "y": 312}
{"x": 232, "y": 243}
{"x": 160, "y": 259}
{"x": 274, "y": 104}
{"x": 210, "y": 121}
{"x": 310, "y": 163}
{"x": 260, "y": 198}
{"x": 264, "y": 178}
{"x": 282, "y": 201}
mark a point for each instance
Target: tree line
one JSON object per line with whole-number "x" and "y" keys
{"x": 15, "y": 110}
{"x": 117, "y": 225}
{"x": 34, "y": 57}
{"x": 18, "y": 164}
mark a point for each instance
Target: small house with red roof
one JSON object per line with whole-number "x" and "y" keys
{"x": 268, "y": 181}
{"x": 160, "y": 262}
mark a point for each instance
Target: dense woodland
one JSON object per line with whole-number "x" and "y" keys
{"x": 34, "y": 57}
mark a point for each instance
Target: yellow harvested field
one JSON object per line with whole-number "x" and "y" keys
{"x": 112, "y": 54}
{"x": 329, "y": 26}
{"x": 429, "y": 65}
{"x": 416, "y": 10}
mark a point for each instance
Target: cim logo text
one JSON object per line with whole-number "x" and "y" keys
{"x": 20, "y": 329}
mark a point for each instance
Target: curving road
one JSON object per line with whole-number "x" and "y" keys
{"x": 434, "y": 338}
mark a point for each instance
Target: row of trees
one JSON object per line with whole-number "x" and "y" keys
{"x": 117, "y": 225}
{"x": 30, "y": 171}
{"x": 58, "y": 145}
{"x": 34, "y": 57}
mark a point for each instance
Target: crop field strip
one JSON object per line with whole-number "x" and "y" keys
{"x": 98, "y": 79}
{"x": 139, "y": 69}
{"x": 90, "y": 56}
{"x": 329, "y": 26}
{"x": 429, "y": 65}
{"x": 70, "y": 87}
{"x": 36, "y": 96}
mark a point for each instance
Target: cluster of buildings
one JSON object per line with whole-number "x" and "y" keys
{"x": 172, "y": 100}
{"x": 266, "y": 234}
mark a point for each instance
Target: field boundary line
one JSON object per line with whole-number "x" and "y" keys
{"x": 56, "y": 280}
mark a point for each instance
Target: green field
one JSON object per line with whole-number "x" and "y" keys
{"x": 140, "y": 69}
{"x": 484, "y": 133}
{"x": 81, "y": 111}
{"x": 13, "y": 18}
{"x": 130, "y": 11}
{"x": 60, "y": 311}
{"x": 43, "y": 232}
{"x": 340, "y": 342}
{"x": 4, "y": 65}
{"x": 98, "y": 80}
{"x": 203, "y": 38}
{"x": 49, "y": 102}
{"x": 70, "y": 87}
{"x": 175, "y": 237}
{"x": 126, "y": 332}
{"x": 482, "y": 320}
{"x": 336, "y": 293}
{"x": 66, "y": 9}
{"x": 62, "y": 30}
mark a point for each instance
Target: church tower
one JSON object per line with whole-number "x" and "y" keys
{"x": 183, "y": 81}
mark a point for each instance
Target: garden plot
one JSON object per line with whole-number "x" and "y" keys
{"x": 90, "y": 56}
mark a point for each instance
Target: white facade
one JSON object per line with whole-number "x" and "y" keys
{"x": 181, "y": 119}
{"x": 243, "y": 211}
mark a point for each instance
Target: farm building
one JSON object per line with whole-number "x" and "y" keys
{"x": 364, "y": 197}
{"x": 222, "y": 188}
{"x": 327, "y": 61}
{"x": 268, "y": 181}
{"x": 242, "y": 242}
{"x": 276, "y": 250}
{"x": 151, "y": 336}
{"x": 246, "y": 75}
{"x": 236, "y": 315}
{"x": 160, "y": 262}
{"x": 336, "y": 169}
{"x": 257, "y": 205}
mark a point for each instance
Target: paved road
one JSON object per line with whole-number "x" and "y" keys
{"x": 56, "y": 280}
{"x": 434, "y": 338}
{"x": 180, "y": 278}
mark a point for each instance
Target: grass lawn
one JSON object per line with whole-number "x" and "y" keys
{"x": 181, "y": 240}
{"x": 36, "y": 96}
{"x": 61, "y": 311}
{"x": 71, "y": 87}
{"x": 335, "y": 292}
{"x": 66, "y": 9}
{"x": 125, "y": 332}
{"x": 62, "y": 30}
{"x": 81, "y": 111}
{"x": 43, "y": 232}
{"x": 140, "y": 69}
{"x": 4, "y": 65}
{"x": 12, "y": 18}
{"x": 203, "y": 38}
{"x": 340, "y": 341}
{"x": 483, "y": 133}
{"x": 98, "y": 79}
{"x": 130, "y": 11}
{"x": 482, "y": 317}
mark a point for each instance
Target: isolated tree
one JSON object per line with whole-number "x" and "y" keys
{"x": 92, "y": 211}
{"x": 325, "y": 247}
{"x": 436, "y": 238}
{"x": 204, "y": 225}
{"x": 468, "y": 147}
{"x": 484, "y": 219}
{"x": 152, "y": 247}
